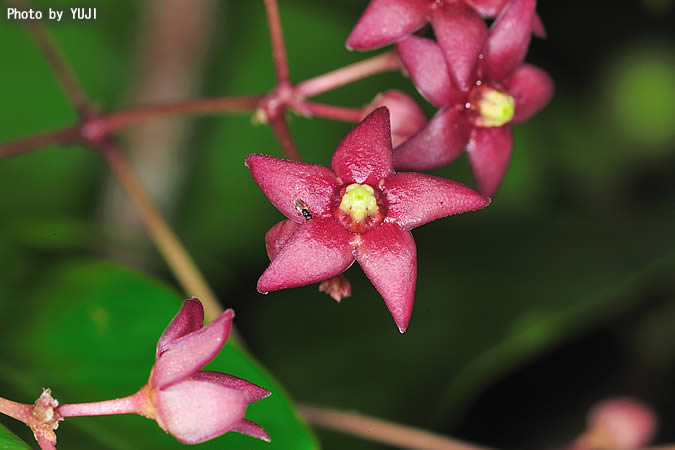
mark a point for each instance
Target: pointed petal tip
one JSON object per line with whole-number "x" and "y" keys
{"x": 250, "y": 428}
{"x": 364, "y": 155}
{"x": 190, "y": 318}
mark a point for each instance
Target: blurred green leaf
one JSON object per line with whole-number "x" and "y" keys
{"x": 93, "y": 338}
{"x": 9, "y": 441}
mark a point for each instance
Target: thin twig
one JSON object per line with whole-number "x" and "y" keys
{"x": 381, "y": 431}
{"x": 122, "y": 119}
{"x": 280, "y": 127}
{"x": 331, "y": 80}
{"x": 178, "y": 259}
{"x": 277, "y": 38}
{"x": 63, "y": 136}
{"x": 71, "y": 86}
{"x": 333, "y": 112}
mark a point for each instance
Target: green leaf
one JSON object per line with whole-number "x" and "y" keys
{"x": 93, "y": 338}
{"x": 10, "y": 441}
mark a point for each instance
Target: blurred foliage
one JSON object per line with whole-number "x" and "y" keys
{"x": 9, "y": 441}
{"x": 580, "y": 230}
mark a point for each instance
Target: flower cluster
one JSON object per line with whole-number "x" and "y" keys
{"x": 358, "y": 210}
{"x": 474, "y": 74}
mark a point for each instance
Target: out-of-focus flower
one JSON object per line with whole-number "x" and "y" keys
{"x": 479, "y": 119}
{"x": 191, "y": 404}
{"x": 406, "y": 117}
{"x": 458, "y": 25}
{"x": 617, "y": 424}
{"x": 360, "y": 209}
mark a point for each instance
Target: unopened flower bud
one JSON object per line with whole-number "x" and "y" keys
{"x": 407, "y": 118}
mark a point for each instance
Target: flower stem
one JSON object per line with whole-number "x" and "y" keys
{"x": 44, "y": 443}
{"x": 63, "y": 136}
{"x": 280, "y": 127}
{"x": 345, "y": 75}
{"x": 175, "y": 255}
{"x": 133, "y": 404}
{"x": 333, "y": 112}
{"x": 18, "y": 411}
{"x": 277, "y": 38}
{"x": 381, "y": 431}
{"x": 134, "y": 115}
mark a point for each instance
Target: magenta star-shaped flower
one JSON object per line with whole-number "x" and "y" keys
{"x": 458, "y": 26}
{"x": 358, "y": 210}
{"x": 503, "y": 91}
{"x": 191, "y": 404}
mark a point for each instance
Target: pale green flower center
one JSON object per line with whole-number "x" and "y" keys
{"x": 359, "y": 201}
{"x": 496, "y": 108}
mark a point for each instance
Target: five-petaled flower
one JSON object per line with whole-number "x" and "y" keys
{"x": 503, "y": 91}
{"x": 196, "y": 405}
{"x": 361, "y": 210}
{"x": 458, "y": 26}
{"x": 191, "y": 404}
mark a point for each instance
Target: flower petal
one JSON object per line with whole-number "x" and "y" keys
{"x": 487, "y": 8}
{"x": 253, "y": 391}
{"x": 365, "y": 154}
{"x": 538, "y": 27}
{"x": 388, "y": 256}
{"x": 387, "y": 21}
{"x": 251, "y": 428}
{"x": 438, "y": 144}
{"x": 196, "y": 411}
{"x": 277, "y": 236}
{"x": 190, "y": 318}
{"x": 489, "y": 151}
{"x": 187, "y": 355}
{"x": 424, "y": 61}
{"x": 509, "y": 39}
{"x": 285, "y": 182}
{"x": 461, "y": 33}
{"x": 407, "y": 118}
{"x": 319, "y": 249}
{"x": 414, "y": 199}
{"x": 531, "y": 88}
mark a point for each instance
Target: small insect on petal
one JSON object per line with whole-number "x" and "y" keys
{"x": 302, "y": 209}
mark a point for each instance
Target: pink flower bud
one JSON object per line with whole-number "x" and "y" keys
{"x": 407, "y": 118}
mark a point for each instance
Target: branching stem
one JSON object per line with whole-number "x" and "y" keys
{"x": 382, "y": 63}
{"x": 277, "y": 38}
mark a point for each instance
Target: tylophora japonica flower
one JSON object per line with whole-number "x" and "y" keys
{"x": 196, "y": 405}
{"x": 502, "y": 91}
{"x": 191, "y": 404}
{"x": 457, "y": 24}
{"x": 358, "y": 210}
